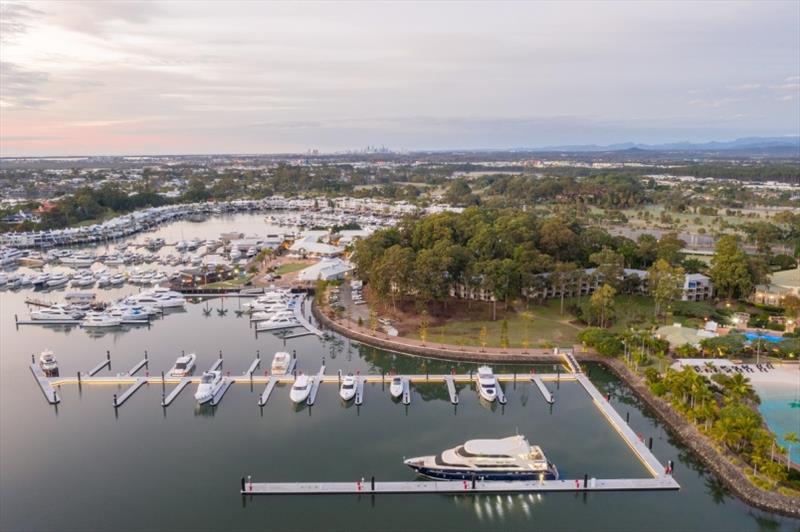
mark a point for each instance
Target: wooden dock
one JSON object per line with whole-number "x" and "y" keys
{"x": 457, "y": 486}
{"x": 44, "y": 383}
{"x": 451, "y": 389}
{"x": 548, "y": 396}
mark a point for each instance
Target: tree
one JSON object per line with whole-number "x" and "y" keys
{"x": 564, "y": 277}
{"x": 646, "y": 248}
{"x": 792, "y": 439}
{"x": 730, "y": 269}
{"x": 602, "y": 303}
{"x": 423, "y": 327}
{"x": 610, "y": 266}
{"x": 483, "y": 337}
{"x": 665, "y": 283}
{"x": 791, "y": 305}
{"x": 504, "y": 334}
{"x": 669, "y": 248}
{"x": 557, "y": 239}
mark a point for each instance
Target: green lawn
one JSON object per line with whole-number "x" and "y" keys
{"x": 232, "y": 283}
{"x": 544, "y": 326}
{"x": 290, "y": 267}
{"x": 541, "y": 325}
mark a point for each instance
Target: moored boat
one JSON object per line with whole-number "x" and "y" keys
{"x": 511, "y": 458}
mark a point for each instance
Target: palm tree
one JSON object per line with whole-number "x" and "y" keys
{"x": 792, "y": 439}
{"x": 739, "y": 387}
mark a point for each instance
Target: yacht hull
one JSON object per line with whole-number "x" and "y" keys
{"x": 469, "y": 474}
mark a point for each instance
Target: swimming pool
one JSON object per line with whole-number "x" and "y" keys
{"x": 768, "y": 337}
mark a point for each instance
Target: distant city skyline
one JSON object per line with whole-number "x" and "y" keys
{"x": 116, "y": 78}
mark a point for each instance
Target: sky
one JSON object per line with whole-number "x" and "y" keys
{"x": 156, "y": 77}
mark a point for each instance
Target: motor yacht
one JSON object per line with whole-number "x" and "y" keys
{"x": 300, "y": 389}
{"x": 100, "y": 320}
{"x": 511, "y": 458}
{"x": 55, "y": 313}
{"x": 347, "y": 390}
{"x": 184, "y": 365}
{"x": 487, "y": 384}
{"x": 396, "y": 388}
{"x": 127, "y": 312}
{"x": 57, "y": 280}
{"x": 210, "y": 383}
{"x": 280, "y": 363}
{"x": 277, "y": 323}
{"x": 264, "y": 315}
{"x": 48, "y": 363}
{"x": 40, "y": 281}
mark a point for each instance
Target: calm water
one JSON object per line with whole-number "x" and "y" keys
{"x": 84, "y": 466}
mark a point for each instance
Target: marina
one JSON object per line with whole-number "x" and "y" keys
{"x": 576, "y": 431}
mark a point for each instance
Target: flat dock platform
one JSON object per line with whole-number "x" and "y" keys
{"x": 458, "y": 486}
{"x": 175, "y": 391}
{"x": 139, "y": 365}
{"x": 48, "y": 322}
{"x": 95, "y": 370}
{"x": 252, "y": 368}
{"x": 119, "y": 400}
{"x": 298, "y": 315}
{"x": 547, "y": 394}
{"x": 406, "y": 391}
{"x": 216, "y": 365}
{"x": 312, "y": 395}
{"x": 359, "y": 399}
{"x": 501, "y": 394}
{"x": 262, "y": 400}
{"x": 221, "y": 392}
{"x": 44, "y": 383}
{"x": 451, "y": 389}
{"x": 634, "y": 442}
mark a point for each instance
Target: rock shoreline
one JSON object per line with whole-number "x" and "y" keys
{"x": 713, "y": 458}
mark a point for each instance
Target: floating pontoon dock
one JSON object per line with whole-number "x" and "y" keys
{"x": 406, "y": 391}
{"x": 44, "y": 383}
{"x": 451, "y": 389}
{"x": 315, "y": 381}
{"x": 184, "y": 382}
{"x": 298, "y": 315}
{"x": 664, "y": 482}
{"x": 547, "y": 394}
{"x": 359, "y": 400}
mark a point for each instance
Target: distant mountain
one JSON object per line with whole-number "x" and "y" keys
{"x": 748, "y": 143}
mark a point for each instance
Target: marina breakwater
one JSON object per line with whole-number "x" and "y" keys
{"x": 724, "y": 465}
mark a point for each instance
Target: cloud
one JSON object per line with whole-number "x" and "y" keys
{"x": 19, "y": 87}
{"x": 746, "y": 87}
{"x": 15, "y": 20}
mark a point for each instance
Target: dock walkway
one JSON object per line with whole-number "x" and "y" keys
{"x": 300, "y": 317}
{"x": 547, "y": 394}
{"x": 451, "y": 389}
{"x": 458, "y": 486}
{"x": 44, "y": 383}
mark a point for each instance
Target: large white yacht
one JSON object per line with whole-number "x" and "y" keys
{"x": 210, "y": 383}
{"x": 280, "y": 363}
{"x": 184, "y": 365}
{"x": 511, "y": 458}
{"x": 48, "y": 363}
{"x": 276, "y": 323}
{"x": 487, "y": 383}
{"x": 100, "y": 319}
{"x": 347, "y": 390}
{"x": 300, "y": 389}
{"x": 55, "y": 312}
{"x": 159, "y": 298}
{"x": 396, "y": 387}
